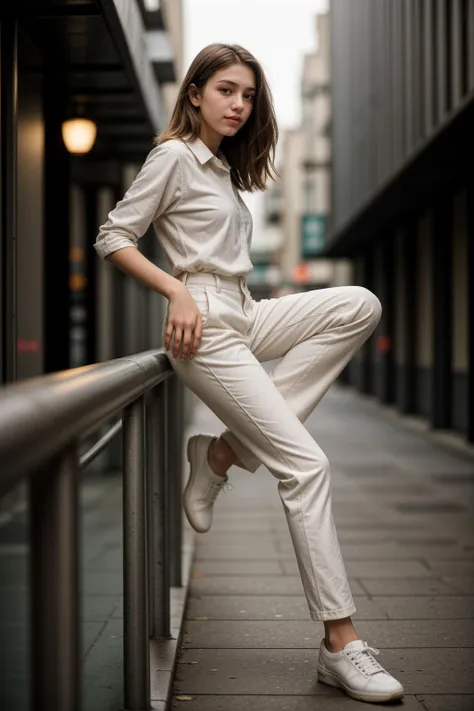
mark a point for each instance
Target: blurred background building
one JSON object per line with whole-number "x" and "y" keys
{"x": 117, "y": 66}
{"x": 402, "y": 198}
{"x": 300, "y": 203}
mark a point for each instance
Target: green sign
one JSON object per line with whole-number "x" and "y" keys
{"x": 313, "y": 231}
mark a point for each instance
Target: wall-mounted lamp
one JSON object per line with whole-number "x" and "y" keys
{"x": 79, "y": 135}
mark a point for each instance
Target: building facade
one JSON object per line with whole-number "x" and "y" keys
{"x": 306, "y": 178}
{"x": 116, "y": 65}
{"x": 403, "y": 105}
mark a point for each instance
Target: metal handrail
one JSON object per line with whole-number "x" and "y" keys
{"x": 41, "y": 423}
{"x": 101, "y": 444}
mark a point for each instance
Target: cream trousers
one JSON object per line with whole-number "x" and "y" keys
{"x": 315, "y": 334}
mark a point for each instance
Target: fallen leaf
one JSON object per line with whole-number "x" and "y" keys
{"x": 184, "y": 698}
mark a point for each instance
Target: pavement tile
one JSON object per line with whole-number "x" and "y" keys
{"x": 256, "y": 585}
{"x": 390, "y": 550}
{"x": 459, "y": 584}
{"x": 338, "y": 701}
{"x": 417, "y": 608}
{"x": 261, "y": 607}
{"x": 374, "y": 568}
{"x": 443, "y": 702}
{"x": 90, "y": 632}
{"x": 252, "y": 527}
{"x": 246, "y": 585}
{"x": 254, "y": 552}
{"x": 99, "y": 582}
{"x": 407, "y": 587}
{"x": 452, "y": 567}
{"x": 103, "y": 698}
{"x": 288, "y": 634}
{"x": 283, "y": 671}
{"x": 96, "y": 608}
{"x": 432, "y": 671}
{"x": 257, "y": 671}
{"x": 387, "y": 569}
{"x": 240, "y": 538}
{"x": 238, "y": 567}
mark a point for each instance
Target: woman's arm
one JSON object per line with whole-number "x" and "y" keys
{"x": 184, "y": 317}
{"x": 131, "y": 261}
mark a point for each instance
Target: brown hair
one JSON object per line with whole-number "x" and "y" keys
{"x": 251, "y": 152}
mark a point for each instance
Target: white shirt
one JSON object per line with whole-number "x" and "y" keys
{"x": 200, "y": 219}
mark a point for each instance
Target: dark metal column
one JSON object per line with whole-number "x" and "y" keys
{"x": 407, "y": 389}
{"x": 135, "y": 618}
{"x": 470, "y": 320}
{"x": 384, "y": 334}
{"x": 56, "y": 231}
{"x": 158, "y": 513}
{"x": 368, "y": 349}
{"x": 55, "y": 589}
{"x": 8, "y": 255}
{"x": 91, "y": 260}
{"x": 442, "y": 236}
{"x": 175, "y": 477}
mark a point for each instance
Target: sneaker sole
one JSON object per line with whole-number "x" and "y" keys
{"x": 187, "y": 507}
{"x": 326, "y": 677}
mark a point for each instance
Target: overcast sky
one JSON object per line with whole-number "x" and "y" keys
{"x": 277, "y": 32}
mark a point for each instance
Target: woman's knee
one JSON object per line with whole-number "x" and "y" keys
{"x": 316, "y": 467}
{"x": 369, "y": 305}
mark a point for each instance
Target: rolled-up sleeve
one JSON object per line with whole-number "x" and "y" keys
{"x": 157, "y": 186}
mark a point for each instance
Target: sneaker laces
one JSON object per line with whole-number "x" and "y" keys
{"x": 363, "y": 660}
{"x": 214, "y": 488}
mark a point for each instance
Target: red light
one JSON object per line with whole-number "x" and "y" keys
{"x": 25, "y": 345}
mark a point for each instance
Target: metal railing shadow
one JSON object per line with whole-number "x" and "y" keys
{"x": 42, "y": 421}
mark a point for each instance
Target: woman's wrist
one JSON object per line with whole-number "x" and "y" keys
{"x": 172, "y": 287}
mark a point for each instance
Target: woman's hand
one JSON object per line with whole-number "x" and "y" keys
{"x": 184, "y": 318}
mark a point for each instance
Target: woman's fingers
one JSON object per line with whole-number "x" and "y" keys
{"x": 186, "y": 339}
{"x": 197, "y": 336}
{"x": 178, "y": 335}
{"x": 168, "y": 334}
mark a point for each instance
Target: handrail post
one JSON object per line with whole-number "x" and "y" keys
{"x": 175, "y": 473}
{"x": 136, "y": 632}
{"x": 158, "y": 515}
{"x": 54, "y": 559}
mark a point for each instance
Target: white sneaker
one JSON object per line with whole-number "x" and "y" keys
{"x": 356, "y": 671}
{"x": 203, "y": 485}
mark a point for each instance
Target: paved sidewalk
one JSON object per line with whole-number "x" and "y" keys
{"x": 404, "y": 512}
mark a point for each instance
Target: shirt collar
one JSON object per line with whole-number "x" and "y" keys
{"x": 204, "y": 154}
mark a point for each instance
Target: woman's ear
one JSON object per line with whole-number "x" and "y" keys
{"x": 193, "y": 94}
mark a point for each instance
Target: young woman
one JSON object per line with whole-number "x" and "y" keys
{"x": 221, "y": 140}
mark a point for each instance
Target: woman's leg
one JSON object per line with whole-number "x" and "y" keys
{"x": 315, "y": 334}
{"x": 230, "y": 380}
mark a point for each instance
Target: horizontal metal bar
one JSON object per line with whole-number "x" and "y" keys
{"x": 100, "y": 445}
{"x": 42, "y": 416}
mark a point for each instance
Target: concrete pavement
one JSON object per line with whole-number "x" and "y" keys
{"x": 404, "y": 512}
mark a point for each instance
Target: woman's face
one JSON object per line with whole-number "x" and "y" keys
{"x": 230, "y": 92}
